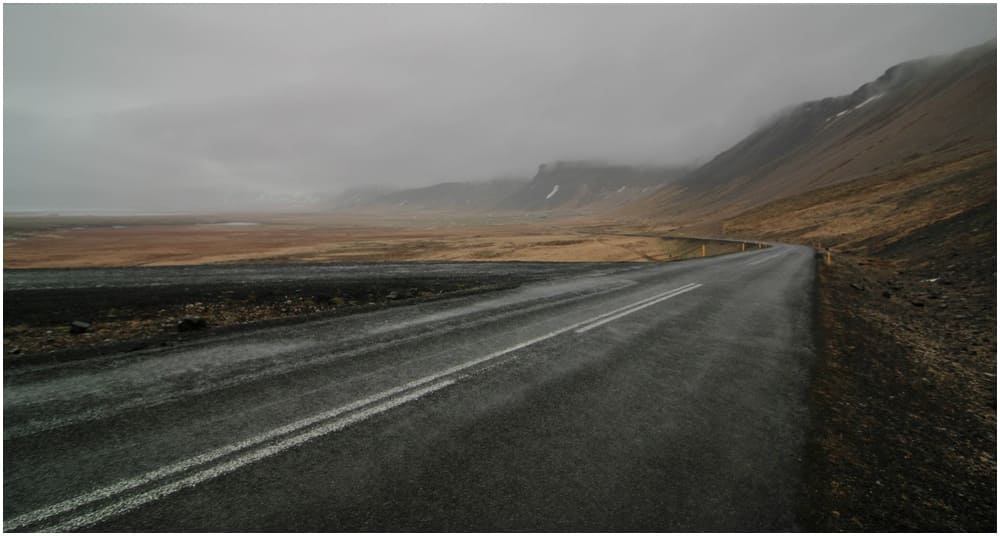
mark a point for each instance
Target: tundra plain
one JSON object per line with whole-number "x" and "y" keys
{"x": 32, "y": 241}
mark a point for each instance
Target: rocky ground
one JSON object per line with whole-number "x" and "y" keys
{"x": 905, "y": 397}
{"x": 38, "y": 323}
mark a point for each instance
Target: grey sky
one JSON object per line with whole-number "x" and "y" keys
{"x": 181, "y": 107}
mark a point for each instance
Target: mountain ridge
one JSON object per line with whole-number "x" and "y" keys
{"x": 914, "y": 108}
{"x": 559, "y": 185}
{"x": 589, "y": 184}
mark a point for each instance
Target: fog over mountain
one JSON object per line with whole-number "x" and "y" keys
{"x": 201, "y": 107}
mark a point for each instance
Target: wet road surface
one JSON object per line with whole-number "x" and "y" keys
{"x": 635, "y": 397}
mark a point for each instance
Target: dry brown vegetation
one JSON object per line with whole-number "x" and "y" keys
{"x": 870, "y": 212}
{"x": 53, "y": 242}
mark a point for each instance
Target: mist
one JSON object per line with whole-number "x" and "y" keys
{"x": 216, "y": 107}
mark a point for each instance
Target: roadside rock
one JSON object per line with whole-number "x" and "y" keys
{"x": 78, "y": 327}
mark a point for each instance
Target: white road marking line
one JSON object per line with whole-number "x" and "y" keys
{"x": 127, "y": 504}
{"x": 496, "y": 303}
{"x": 201, "y": 459}
{"x": 659, "y": 299}
{"x": 765, "y": 259}
{"x": 42, "y": 425}
{"x": 642, "y": 301}
{"x": 132, "y": 503}
{"x": 549, "y": 335}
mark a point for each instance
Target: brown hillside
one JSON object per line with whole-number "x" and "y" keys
{"x": 926, "y": 108}
{"x": 865, "y": 215}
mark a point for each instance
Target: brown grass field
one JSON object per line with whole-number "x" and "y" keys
{"x": 32, "y": 241}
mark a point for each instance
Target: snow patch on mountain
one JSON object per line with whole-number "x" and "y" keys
{"x": 849, "y": 110}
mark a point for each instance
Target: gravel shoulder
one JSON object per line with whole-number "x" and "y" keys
{"x": 904, "y": 400}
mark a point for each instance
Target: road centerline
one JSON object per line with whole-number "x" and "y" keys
{"x": 255, "y": 448}
{"x": 131, "y": 503}
{"x": 639, "y": 307}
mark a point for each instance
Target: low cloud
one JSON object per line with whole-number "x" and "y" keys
{"x": 195, "y": 107}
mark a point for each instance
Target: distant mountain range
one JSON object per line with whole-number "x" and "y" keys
{"x": 451, "y": 196}
{"x": 595, "y": 185}
{"x": 556, "y": 186}
{"x": 938, "y": 108}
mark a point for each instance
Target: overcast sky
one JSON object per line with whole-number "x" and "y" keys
{"x": 188, "y": 107}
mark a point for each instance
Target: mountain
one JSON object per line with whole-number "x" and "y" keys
{"x": 567, "y": 186}
{"x": 920, "y": 118}
{"x": 934, "y": 109}
{"x": 592, "y": 185}
{"x": 454, "y": 195}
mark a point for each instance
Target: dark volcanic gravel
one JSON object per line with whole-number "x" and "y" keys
{"x": 904, "y": 434}
{"x": 130, "y": 309}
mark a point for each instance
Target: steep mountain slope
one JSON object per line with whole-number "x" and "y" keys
{"x": 943, "y": 106}
{"x": 594, "y": 185}
{"x": 868, "y": 214}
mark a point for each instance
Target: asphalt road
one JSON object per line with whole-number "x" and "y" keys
{"x": 653, "y": 397}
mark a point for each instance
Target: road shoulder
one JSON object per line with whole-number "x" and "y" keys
{"x": 904, "y": 398}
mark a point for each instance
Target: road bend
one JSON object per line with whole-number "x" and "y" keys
{"x": 636, "y": 397}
